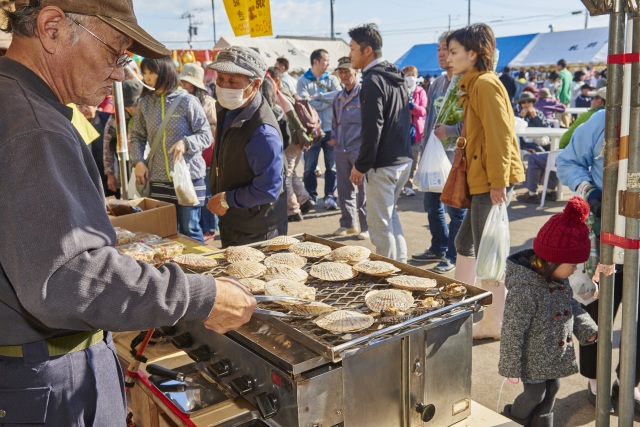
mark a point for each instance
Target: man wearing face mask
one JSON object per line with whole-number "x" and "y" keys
{"x": 247, "y": 170}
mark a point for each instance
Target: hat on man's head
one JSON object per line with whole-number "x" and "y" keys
{"x": 527, "y": 97}
{"x": 240, "y": 60}
{"x": 117, "y": 13}
{"x": 564, "y": 239}
{"x": 544, "y": 93}
{"x": 131, "y": 91}
{"x": 344, "y": 62}
{"x": 600, "y": 93}
{"x": 530, "y": 89}
{"x": 586, "y": 86}
{"x": 194, "y": 74}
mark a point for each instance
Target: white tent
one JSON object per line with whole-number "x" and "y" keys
{"x": 579, "y": 47}
{"x": 297, "y": 51}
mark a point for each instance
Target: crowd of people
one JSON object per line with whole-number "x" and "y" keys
{"x": 242, "y": 139}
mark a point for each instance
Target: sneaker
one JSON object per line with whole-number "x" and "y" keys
{"x": 551, "y": 196}
{"x": 444, "y": 266}
{"x": 344, "y": 231}
{"x": 363, "y": 235}
{"x": 330, "y": 204}
{"x": 528, "y": 198}
{"x": 426, "y": 256}
{"x": 295, "y": 217}
{"x": 307, "y": 206}
{"x": 408, "y": 192}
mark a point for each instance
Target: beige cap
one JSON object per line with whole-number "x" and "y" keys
{"x": 194, "y": 74}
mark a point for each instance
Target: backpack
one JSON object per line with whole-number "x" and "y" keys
{"x": 309, "y": 118}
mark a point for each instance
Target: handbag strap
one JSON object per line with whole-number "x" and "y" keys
{"x": 158, "y": 136}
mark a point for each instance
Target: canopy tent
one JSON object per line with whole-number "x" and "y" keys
{"x": 296, "y": 50}
{"x": 424, "y": 56}
{"x": 578, "y": 47}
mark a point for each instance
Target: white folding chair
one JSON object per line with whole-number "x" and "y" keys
{"x": 551, "y": 167}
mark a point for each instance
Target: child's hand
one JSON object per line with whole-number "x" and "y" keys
{"x": 593, "y": 338}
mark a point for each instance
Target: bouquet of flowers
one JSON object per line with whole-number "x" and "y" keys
{"x": 451, "y": 112}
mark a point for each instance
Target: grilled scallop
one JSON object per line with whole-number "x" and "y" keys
{"x": 256, "y": 286}
{"x": 310, "y": 249}
{"x": 388, "y": 299}
{"x": 314, "y": 308}
{"x": 333, "y": 271}
{"x": 243, "y": 253}
{"x": 453, "y": 290}
{"x": 195, "y": 262}
{"x": 285, "y": 272}
{"x": 376, "y": 268}
{"x": 349, "y": 254}
{"x": 289, "y": 288}
{"x": 344, "y": 321}
{"x": 412, "y": 283}
{"x": 286, "y": 258}
{"x": 245, "y": 269}
{"x": 432, "y": 303}
{"x": 280, "y": 242}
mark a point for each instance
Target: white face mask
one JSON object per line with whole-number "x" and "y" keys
{"x": 411, "y": 81}
{"x": 231, "y": 99}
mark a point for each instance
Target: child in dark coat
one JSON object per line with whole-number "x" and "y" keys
{"x": 541, "y": 315}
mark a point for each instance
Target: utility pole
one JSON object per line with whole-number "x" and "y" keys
{"x": 449, "y": 23}
{"x": 213, "y": 12}
{"x": 469, "y": 13}
{"x": 586, "y": 19}
{"x": 333, "y": 34}
{"x": 193, "y": 26}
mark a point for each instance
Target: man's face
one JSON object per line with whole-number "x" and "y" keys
{"x": 321, "y": 64}
{"x": 94, "y": 66}
{"x": 596, "y": 102}
{"x": 443, "y": 54}
{"x": 347, "y": 76}
{"x": 280, "y": 67}
{"x": 357, "y": 57}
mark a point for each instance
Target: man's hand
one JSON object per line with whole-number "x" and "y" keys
{"x": 177, "y": 150}
{"x": 233, "y": 307}
{"x": 215, "y": 206}
{"x": 112, "y": 184}
{"x": 498, "y": 195}
{"x": 440, "y": 131}
{"x": 141, "y": 172}
{"x": 592, "y": 338}
{"x": 356, "y": 176}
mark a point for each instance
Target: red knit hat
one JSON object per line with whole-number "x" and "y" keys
{"x": 564, "y": 239}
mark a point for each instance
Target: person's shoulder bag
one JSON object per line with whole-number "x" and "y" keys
{"x": 456, "y": 190}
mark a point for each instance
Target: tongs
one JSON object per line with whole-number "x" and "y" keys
{"x": 286, "y": 299}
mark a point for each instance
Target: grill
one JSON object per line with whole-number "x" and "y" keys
{"x": 414, "y": 372}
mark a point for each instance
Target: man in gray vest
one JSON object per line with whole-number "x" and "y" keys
{"x": 246, "y": 169}
{"x": 62, "y": 282}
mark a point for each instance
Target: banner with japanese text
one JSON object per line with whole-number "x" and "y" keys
{"x": 260, "y": 18}
{"x": 237, "y": 11}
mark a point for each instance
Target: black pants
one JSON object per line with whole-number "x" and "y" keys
{"x": 233, "y": 237}
{"x": 589, "y": 353}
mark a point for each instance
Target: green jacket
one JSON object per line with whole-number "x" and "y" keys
{"x": 566, "y": 137}
{"x": 564, "y": 95}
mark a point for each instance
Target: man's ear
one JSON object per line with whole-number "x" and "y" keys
{"x": 50, "y": 28}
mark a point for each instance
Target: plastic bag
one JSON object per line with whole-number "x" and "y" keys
{"x": 132, "y": 188}
{"x": 434, "y": 167}
{"x": 520, "y": 124}
{"x": 491, "y": 259}
{"x": 183, "y": 185}
{"x": 584, "y": 290}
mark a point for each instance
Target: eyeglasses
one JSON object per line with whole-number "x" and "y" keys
{"x": 122, "y": 59}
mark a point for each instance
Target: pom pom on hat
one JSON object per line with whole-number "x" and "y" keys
{"x": 564, "y": 239}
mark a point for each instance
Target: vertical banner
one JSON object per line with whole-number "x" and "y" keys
{"x": 238, "y": 14}
{"x": 260, "y": 18}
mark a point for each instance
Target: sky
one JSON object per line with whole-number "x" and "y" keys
{"x": 403, "y": 23}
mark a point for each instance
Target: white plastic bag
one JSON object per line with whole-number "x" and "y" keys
{"x": 132, "y": 188}
{"x": 183, "y": 185}
{"x": 584, "y": 290}
{"x": 434, "y": 167}
{"x": 520, "y": 124}
{"x": 491, "y": 259}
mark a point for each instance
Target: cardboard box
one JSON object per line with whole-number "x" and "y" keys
{"x": 157, "y": 218}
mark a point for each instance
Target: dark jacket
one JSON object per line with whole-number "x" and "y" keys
{"x": 539, "y": 320}
{"x": 509, "y": 84}
{"x": 386, "y": 118}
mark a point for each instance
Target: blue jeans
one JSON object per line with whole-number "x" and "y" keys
{"x": 208, "y": 221}
{"x": 442, "y": 237}
{"x": 311, "y": 163}
{"x": 189, "y": 221}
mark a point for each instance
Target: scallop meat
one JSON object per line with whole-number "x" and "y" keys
{"x": 289, "y": 288}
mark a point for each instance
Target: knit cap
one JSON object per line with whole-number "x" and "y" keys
{"x": 564, "y": 239}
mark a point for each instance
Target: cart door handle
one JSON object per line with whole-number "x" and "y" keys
{"x": 426, "y": 412}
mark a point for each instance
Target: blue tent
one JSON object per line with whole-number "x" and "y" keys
{"x": 424, "y": 56}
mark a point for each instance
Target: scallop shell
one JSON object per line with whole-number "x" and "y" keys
{"x": 244, "y": 269}
{"x": 280, "y": 242}
{"x": 332, "y": 271}
{"x": 256, "y": 286}
{"x": 344, "y": 321}
{"x": 243, "y": 253}
{"x": 195, "y": 262}
{"x": 382, "y": 300}
{"x": 412, "y": 283}
{"x": 285, "y": 272}
{"x": 289, "y": 288}
{"x": 432, "y": 303}
{"x": 453, "y": 290}
{"x": 376, "y": 268}
{"x": 312, "y": 309}
{"x": 310, "y": 249}
{"x": 286, "y": 258}
{"x": 350, "y": 254}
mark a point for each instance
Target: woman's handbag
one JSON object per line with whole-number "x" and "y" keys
{"x": 456, "y": 190}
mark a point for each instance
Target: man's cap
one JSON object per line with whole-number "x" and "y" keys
{"x": 530, "y": 89}
{"x": 600, "y": 93}
{"x": 544, "y": 93}
{"x": 194, "y": 74}
{"x": 344, "y": 62}
{"x": 240, "y": 60}
{"x": 131, "y": 91}
{"x": 527, "y": 97}
{"x": 117, "y": 13}
{"x": 586, "y": 86}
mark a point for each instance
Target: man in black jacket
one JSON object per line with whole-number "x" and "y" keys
{"x": 385, "y": 154}
{"x": 508, "y": 82}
